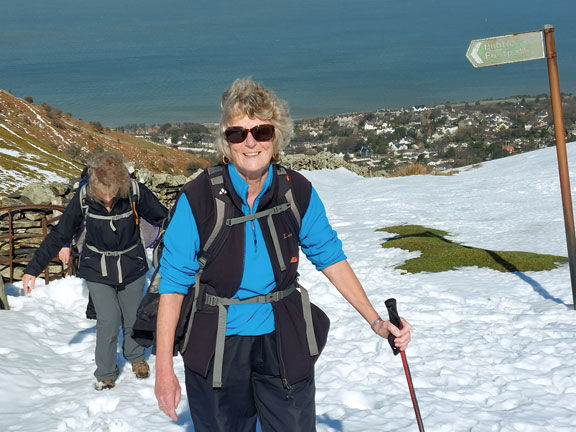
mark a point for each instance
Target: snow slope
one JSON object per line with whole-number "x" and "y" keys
{"x": 491, "y": 351}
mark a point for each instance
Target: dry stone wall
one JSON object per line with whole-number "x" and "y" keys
{"x": 323, "y": 160}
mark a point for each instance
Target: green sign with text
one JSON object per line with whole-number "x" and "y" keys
{"x": 506, "y": 49}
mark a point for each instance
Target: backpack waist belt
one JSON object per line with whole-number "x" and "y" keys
{"x": 111, "y": 253}
{"x": 272, "y": 297}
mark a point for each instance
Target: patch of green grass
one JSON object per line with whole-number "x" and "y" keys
{"x": 440, "y": 254}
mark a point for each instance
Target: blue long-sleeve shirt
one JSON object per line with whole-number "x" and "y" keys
{"x": 179, "y": 263}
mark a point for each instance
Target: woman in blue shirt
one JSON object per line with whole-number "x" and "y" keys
{"x": 254, "y": 337}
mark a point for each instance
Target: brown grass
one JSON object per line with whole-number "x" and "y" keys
{"x": 419, "y": 169}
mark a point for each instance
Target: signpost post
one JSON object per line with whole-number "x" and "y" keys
{"x": 532, "y": 46}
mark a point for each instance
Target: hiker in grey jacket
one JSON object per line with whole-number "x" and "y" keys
{"x": 113, "y": 260}
{"x": 254, "y": 337}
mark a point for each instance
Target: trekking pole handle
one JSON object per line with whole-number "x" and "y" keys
{"x": 394, "y": 319}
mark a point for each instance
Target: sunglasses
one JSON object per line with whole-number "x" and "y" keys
{"x": 237, "y": 134}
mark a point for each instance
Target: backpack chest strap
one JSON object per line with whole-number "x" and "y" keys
{"x": 111, "y": 218}
{"x": 271, "y": 211}
{"x": 272, "y": 228}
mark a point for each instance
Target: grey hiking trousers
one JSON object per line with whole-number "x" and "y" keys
{"x": 116, "y": 307}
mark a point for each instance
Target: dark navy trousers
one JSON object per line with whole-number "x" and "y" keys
{"x": 252, "y": 389}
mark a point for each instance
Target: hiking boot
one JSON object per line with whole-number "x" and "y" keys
{"x": 141, "y": 369}
{"x": 105, "y": 384}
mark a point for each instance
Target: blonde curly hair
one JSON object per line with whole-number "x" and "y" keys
{"x": 246, "y": 97}
{"x": 108, "y": 175}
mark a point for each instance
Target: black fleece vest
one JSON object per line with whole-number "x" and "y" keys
{"x": 223, "y": 272}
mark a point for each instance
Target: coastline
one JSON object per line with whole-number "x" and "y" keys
{"x": 495, "y": 100}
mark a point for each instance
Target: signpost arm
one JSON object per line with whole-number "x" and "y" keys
{"x": 560, "y": 134}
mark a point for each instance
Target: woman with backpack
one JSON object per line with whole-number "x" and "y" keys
{"x": 113, "y": 260}
{"x": 248, "y": 337}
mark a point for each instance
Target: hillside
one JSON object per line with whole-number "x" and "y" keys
{"x": 39, "y": 143}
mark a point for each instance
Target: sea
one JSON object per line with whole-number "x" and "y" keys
{"x": 151, "y": 62}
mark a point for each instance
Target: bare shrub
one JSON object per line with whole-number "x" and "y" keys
{"x": 415, "y": 169}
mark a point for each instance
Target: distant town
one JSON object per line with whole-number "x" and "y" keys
{"x": 441, "y": 137}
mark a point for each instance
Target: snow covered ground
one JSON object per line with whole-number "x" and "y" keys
{"x": 491, "y": 351}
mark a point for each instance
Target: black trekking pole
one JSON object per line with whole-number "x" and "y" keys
{"x": 395, "y": 319}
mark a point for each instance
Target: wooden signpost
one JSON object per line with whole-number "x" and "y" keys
{"x": 532, "y": 46}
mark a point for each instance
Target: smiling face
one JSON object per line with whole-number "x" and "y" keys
{"x": 250, "y": 157}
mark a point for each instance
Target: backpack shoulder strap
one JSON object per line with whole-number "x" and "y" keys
{"x": 134, "y": 201}
{"x": 223, "y": 209}
{"x": 135, "y": 190}
{"x": 285, "y": 189}
{"x": 82, "y": 198}
{"x": 84, "y": 207}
